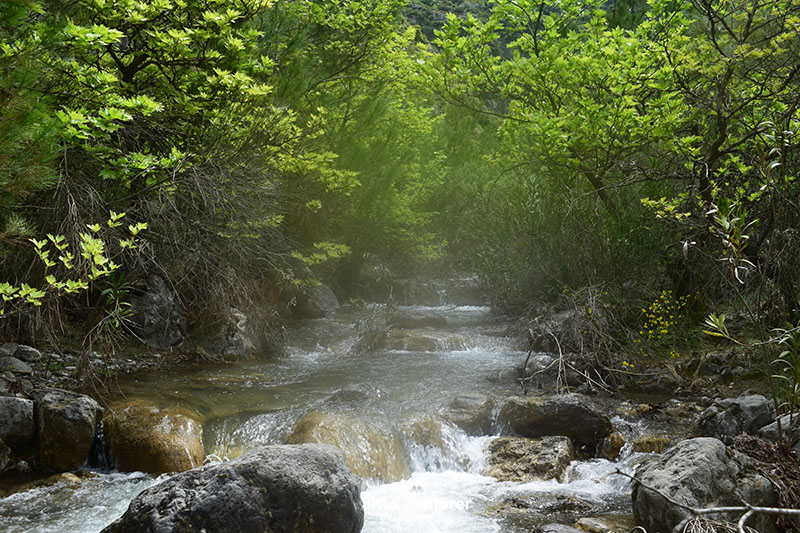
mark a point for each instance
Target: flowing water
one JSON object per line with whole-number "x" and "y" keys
{"x": 244, "y": 406}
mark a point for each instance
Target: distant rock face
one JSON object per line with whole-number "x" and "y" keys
{"x": 730, "y": 417}
{"x": 568, "y": 415}
{"x": 16, "y": 421}
{"x": 145, "y": 438}
{"x": 67, "y": 424}
{"x": 371, "y": 451}
{"x": 298, "y": 489}
{"x": 699, "y": 472}
{"x": 157, "y": 315}
{"x": 471, "y": 412}
{"x": 522, "y": 460}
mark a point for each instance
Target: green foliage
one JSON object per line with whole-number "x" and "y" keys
{"x": 67, "y": 274}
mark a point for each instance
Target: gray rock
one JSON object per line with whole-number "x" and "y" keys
{"x": 8, "y": 349}
{"x": 16, "y": 421}
{"x": 27, "y": 353}
{"x": 157, "y": 315}
{"x": 235, "y": 340}
{"x": 318, "y": 302}
{"x": 770, "y": 431}
{"x": 6, "y": 457}
{"x": 305, "y": 488}
{"x": 67, "y": 422}
{"x": 523, "y": 460}
{"x": 570, "y": 415}
{"x": 12, "y": 364}
{"x": 701, "y": 473}
{"x": 730, "y": 417}
{"x": 471, "y": 412}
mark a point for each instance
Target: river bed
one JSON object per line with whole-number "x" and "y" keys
{"x": 243, "y": 406}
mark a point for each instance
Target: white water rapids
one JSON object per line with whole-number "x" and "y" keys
{"x": 244, "y": 406}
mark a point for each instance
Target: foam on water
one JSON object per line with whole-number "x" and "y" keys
{"x": 88, "y": 507}
{"x": 431, "y": 502}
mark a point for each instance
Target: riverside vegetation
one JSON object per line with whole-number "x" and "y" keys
{"x": 179, "y": 178}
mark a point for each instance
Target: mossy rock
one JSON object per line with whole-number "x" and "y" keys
{"x": 146, "y": 438}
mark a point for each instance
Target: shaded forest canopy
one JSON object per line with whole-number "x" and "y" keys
{"x": 633, "y": 161}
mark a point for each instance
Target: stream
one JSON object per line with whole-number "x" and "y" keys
{"x": 246, "y": 405}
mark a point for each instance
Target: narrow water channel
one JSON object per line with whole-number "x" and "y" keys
{"x": 244, "y": 406}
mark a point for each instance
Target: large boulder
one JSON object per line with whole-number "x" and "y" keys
{"x": 158, "y": 315}
{"x": 294, "y": 489}
{"x": 67, "y": 424}
{"x": 317, "y": 302}
{"x": 699, "y": 472}
{"x": 730, "y": 417}
{"x": 520, "y": 459}
{"x": 16, "y": 421}
{"x": 371, "y": 451}
{"x": 568, "y": 415}
{"x": 472, "y": 412}
{"x": 145, "y": 438}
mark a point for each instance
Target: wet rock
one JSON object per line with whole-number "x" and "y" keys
{"x": 16, "y": 421}
{"x": 522, "y": 460}
{"x": 371, "y": 451}
{"x": 651, "y": 443}
{"x": 528, "y": 513}
{"x": 67, "y": 479}
{"x": 317, "y": 302}
{"x": 356, "y": 392}
{"x": 611, "y": 446}
{"x": 699, "y": 472}
{"x": 28, "y": 354}
{"x": 145, "y": 438}
{"x": 157, "y": 315}
{"x": 418, "y": 342}
{"x": 300, "y": 489}
{"x": 558, "y": 528}
{"x": 424, "y": 431}
{"x": 12, "y": 364}
{"x": 789, "y": 424}
{"x": 67, "y": 423}
{"x": 413, "y": 321}
{"x": 471, "y": 412}
{"x": 568, "y": 415}
{"x": 606, "y": 524}
{"x": 730, "y": 417}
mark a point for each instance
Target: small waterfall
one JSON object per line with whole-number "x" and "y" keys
{"x": 100, "y": 456}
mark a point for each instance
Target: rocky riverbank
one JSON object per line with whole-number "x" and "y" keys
{"x": 388, "y": 432}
